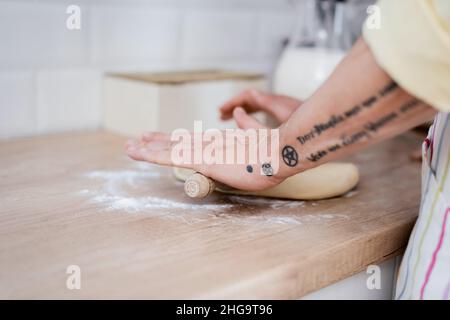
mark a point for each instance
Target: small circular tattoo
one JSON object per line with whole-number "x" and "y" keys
{"x": 249, "y": 169}
{"x": 267, "y": 169}
{"x": 290, "y": 156}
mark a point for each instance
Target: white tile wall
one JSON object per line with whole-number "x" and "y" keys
{"x": 35, "y": 34}
{"x": 50, "y": 77}
{"x": 122, "y": 34}
{"x": 17, "y": 104}
{"x": 225, "y": 35}
{"x": 68, "y": 100}
{"x": 273, "y": 29}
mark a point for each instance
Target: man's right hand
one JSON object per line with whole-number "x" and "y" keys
{"x": 278, "y": 106}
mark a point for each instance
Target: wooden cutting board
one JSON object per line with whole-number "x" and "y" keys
{"x": 76, "y": 199}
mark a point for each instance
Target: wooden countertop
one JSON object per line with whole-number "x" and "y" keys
{"x": 75, "y": 199}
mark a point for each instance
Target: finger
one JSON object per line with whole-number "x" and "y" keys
{"x": 151, "y": 136}
{"x": 162, "y": 156}
{"x": 242, "y": 99}
{"x": 157, "y": 151}
{"x": 133, "y": 151}
{"x": 245, "y": 121}
{"x": 130, "y": 142}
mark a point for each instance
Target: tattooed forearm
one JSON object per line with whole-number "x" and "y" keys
{"x": 388, "y": 89}
{"x": 369, "y": 102}
{"x": 321, "y": 127}
{"x": 366, "y": 133}
{"x": 355, "y": 137}
{"x": 345, "y": 141}
{"x": 316, "y": 156}
{"x": 381, "y": 122}
{"x": 335, "y": 120}
{"x": 409, "y": 105}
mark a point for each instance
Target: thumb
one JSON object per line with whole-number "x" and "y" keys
{"x": 244, "y": 121}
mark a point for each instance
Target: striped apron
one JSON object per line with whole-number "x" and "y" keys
{"x": 425, "y": 269}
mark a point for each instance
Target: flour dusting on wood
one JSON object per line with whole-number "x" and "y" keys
{"x": 135, "y": 190}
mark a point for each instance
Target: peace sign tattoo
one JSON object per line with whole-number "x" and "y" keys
{"x": 290, "y": 156}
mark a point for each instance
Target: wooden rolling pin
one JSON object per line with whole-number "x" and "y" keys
{"x": 198, "y": 186}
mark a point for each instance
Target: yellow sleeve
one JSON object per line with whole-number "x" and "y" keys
{"x": 412, "y": 44}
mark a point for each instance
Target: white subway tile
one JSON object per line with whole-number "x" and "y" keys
{"x": 273, "y": 29}
{"x": 68, "y": 100}
{"x": 190, "y": 4}
{"x": 215, "y": 35}
{"x": 35, "y": 34}
{"x": 277, "y": 5}
{"x": 17, "y": 106}
{"x": 138, "y": 34}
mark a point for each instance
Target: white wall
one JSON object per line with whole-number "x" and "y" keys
{"x": 50, "y": 77}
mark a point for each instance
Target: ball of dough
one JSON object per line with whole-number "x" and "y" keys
{"x": 325, "y": 181}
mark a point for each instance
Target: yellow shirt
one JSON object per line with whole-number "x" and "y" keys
{"x": 412, "y": 44}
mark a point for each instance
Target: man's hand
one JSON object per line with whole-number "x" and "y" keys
{"x": 155, "y": 147}
{"x": 351, "y": 111}
{"x": 280, "y": 107}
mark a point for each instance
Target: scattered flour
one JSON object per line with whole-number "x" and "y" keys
{"x": 350, "y": 194}
{"x": 114, "y": 196}
{"x": 284, "y": 220}
{"x": 268, "y": 202}
{"x": 121, "y": 190}
{"x": 132, "y": 204}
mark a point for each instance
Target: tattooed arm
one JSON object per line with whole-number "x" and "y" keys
{"x": 356, "y": 107}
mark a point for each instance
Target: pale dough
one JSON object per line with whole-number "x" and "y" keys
{"x": 326, "y": 181}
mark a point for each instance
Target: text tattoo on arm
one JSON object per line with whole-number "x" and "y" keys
{"x": 290, "y": 155}
{"x": 335, "y": 120}
{"x": 366, "y": 132}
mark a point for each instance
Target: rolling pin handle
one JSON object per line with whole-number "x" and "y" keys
{"x": 198, "y": 186}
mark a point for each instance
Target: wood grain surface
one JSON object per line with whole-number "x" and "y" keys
{"x": 181, "y": 77}
{"x": 76, "y": 199}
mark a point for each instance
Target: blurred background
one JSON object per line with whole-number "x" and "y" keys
{"x": 51, "y": 76}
